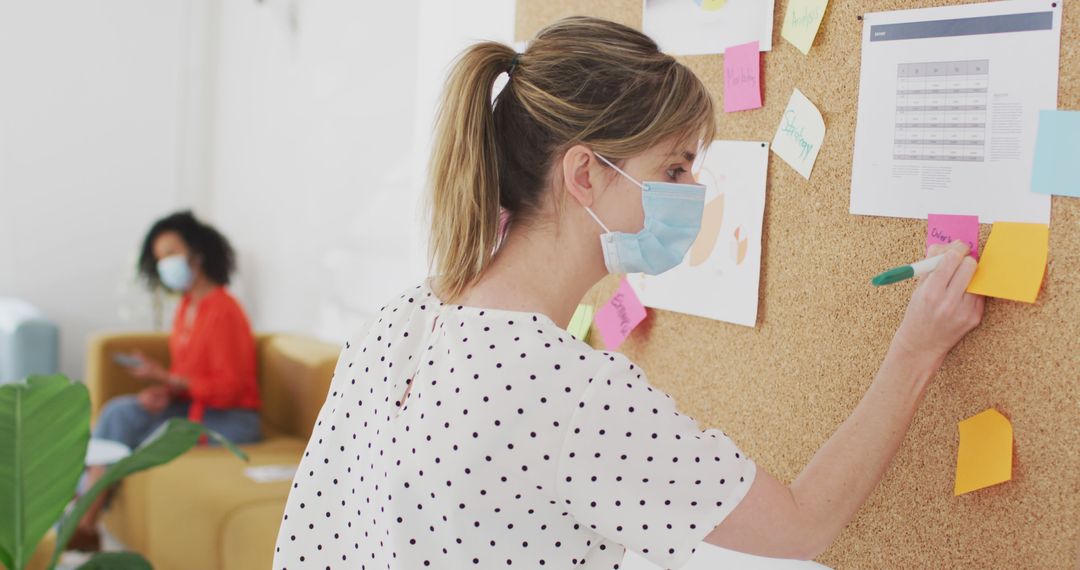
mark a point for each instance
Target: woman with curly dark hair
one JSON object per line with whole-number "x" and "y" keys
{"x": 211, "y": 375}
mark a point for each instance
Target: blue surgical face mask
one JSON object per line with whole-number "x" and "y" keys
{"x": 175, "y": 272}
{"x": 672, "y": 221}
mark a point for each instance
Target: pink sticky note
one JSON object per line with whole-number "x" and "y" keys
{"x": 742, "y": 77}
{"x": 947, "y": 228}
{"x": 619, "y": 316}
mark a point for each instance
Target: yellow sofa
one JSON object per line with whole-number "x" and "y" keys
{"x": 201, "y": 510}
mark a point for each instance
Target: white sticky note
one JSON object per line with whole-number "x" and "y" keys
{"x": 799, "y": 136}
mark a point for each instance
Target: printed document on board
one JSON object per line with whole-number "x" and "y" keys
{"x": 949, "y": 102}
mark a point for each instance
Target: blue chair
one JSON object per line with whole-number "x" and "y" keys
{"x": 29, "y": 341}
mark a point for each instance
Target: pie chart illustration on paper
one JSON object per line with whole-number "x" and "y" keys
{"x": 712, "y": 225}
{"x": 739, "y": 246}
{"x": 711, "y": 221}
{"x": 719, "y": 276}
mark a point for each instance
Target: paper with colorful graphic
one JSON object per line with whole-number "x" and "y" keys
{"x": 719, "y": 277}
{"x": 946, "y": 228}
{"x": 742, "y": 77}
{"x": 1013, "y": 262}
{"x": 799, "y": 136}
{"x": 985, "y": 454}
{"x": 801, "y": 22}
{"x": 691, "y": 27}
{"x": 618, "y": 317}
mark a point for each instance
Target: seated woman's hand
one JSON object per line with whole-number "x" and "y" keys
{"x": 941, "y": 311}
{"x": 154, "y": 399}
{"x": 149, "y": 369}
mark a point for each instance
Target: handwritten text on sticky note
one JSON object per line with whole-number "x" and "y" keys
{"x": 801, "y": 22}
{"x": 1013, "y": 262}
{"x": 618, "y": 317}
{"x": 799, "y": 136}
{"x": 945, "y": 229}
{"x": 742, "y": 77}
{"x": 985, "y": 454}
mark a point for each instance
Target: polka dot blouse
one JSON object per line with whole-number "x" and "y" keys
{"x": 458, "y": 437}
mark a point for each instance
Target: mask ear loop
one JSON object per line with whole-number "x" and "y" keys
{"x": 619, "y": 170}
{"x": 589, "y": 210}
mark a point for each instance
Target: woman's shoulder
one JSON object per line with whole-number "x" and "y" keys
{"x": 530, "y": 340}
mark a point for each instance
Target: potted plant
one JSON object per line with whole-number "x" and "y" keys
{"x": 44, "y": 432}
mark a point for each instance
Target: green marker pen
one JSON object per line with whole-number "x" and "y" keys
{"x": 905, "y": 272}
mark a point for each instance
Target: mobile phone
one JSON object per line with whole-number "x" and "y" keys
{"x": 127, "y": 360}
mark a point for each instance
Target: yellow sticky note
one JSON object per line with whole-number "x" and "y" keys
{"x": 985, "y": 458}
{"x": 801, "y": 22}
{"x": 581, "y": 322}
{"x": 1013, "y": 262}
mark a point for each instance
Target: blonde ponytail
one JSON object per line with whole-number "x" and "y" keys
{"x": 464, "y": 170}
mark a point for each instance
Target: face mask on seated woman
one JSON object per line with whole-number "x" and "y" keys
{"x": 175, "y": 272}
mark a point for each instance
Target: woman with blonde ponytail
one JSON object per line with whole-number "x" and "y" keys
{"x": 466, "y": 428}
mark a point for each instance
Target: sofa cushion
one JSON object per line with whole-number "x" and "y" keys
{"x": 249, "y": 535}
{"x": 177, "y": 513}
{"x": 294, "y": 376}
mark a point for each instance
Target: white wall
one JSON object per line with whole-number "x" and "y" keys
{"x": 90, "y": 102}
{"x": 445, "y": 29}
{"x": 310, "y": 171}
{"x": 322, "y": 114}
{"x": 299, "y": 128}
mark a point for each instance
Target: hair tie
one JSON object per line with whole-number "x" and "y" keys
{"x": 513, "y": 64}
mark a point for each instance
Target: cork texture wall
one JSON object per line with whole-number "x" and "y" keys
{"x": 782, "y": 388}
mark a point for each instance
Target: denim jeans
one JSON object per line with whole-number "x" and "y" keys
{"x": 123, "y": 419}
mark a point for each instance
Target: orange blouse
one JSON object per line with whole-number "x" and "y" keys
{"x": 215, "y": 353}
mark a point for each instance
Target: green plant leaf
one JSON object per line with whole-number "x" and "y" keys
{"x": 44, "y": 429}
{"x": 168, "y": 442}
{"x": 116, "y": 561}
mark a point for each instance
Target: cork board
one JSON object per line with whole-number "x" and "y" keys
{"x": 781, "y": 389}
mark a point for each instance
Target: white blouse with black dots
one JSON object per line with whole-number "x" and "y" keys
{"x": 515, "y": 446}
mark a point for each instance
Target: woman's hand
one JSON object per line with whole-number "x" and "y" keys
{"x": 149, "y": 369}
{"x": 154, "y": 399}
{"x": 803, "y": 519}
{"x": 941, "y": 312}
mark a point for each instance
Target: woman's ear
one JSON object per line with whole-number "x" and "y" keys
{"x": 578, "y": 164}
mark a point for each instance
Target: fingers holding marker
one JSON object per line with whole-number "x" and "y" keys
{"x": 953, "y": 254}
{"x": 942, "y": 263}
{"x": 960, "y": 280}
{"x": 961, "y": 246}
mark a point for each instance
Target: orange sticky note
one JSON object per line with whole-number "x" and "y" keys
{"x": 1013, "y": 262}
{"x": 985, "y": 458}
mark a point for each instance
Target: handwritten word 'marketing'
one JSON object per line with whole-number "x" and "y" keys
{"x": 740, "y": 76}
